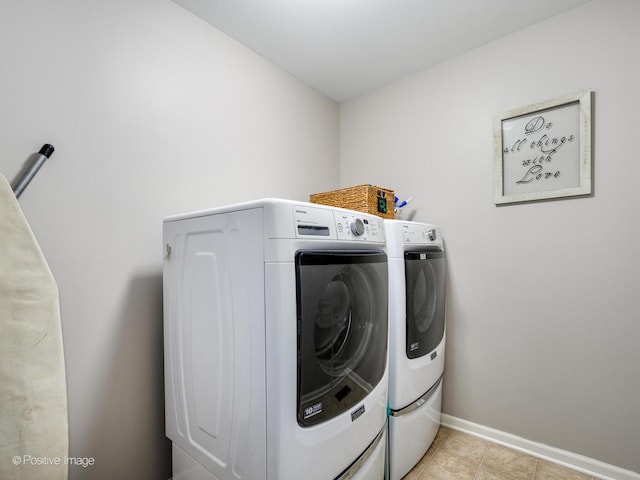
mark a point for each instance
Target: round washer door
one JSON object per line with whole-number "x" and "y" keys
{"x": 342, "y": 330}
{"x": 425, "y": 296}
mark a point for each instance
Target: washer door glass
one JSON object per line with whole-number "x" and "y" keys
{"x": 425, "y": 281}
{"x": 342, "y": 330}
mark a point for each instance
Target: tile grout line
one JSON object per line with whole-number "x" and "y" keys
{"x": 484, "y": 454}
{"x": 431, "y": 457}
{"x": 505, "y": 474}
{"x": 440, "y": 445}
{"x": 435, "y": 451}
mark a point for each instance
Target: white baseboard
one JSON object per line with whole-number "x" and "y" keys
{"x": 580, "y": 463}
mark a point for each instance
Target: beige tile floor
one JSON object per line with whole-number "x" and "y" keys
{"x": 458, "y": 456}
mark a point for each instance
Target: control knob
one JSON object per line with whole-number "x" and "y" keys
{"x": 357, "y": 227}
{"x": 431, "y": 234}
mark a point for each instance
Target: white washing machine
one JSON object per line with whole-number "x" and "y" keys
{"x": 416, "y": 340}
{"x": 275, "y": 327}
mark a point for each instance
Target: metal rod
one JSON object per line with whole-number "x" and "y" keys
{"x": 45, "y": 152}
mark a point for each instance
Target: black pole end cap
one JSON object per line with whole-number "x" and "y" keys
{"x": 46, "y": 150}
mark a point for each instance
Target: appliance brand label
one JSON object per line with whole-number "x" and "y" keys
{"x": 414, "y": 346}
{"x": 312, "y": 410}
{"x": 434, "y": 355}
{"x": 356, "y": 413}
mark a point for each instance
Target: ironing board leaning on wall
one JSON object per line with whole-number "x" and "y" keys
{"x": 33, "y": 397}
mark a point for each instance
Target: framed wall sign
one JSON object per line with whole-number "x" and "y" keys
{"x": 543, "y": 150}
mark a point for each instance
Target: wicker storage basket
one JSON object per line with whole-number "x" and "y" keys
{"x": 363, "y": 198}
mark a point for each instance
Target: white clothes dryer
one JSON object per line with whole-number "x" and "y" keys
{"x": 276, "y": 331}
{"x": 416, "y": 340}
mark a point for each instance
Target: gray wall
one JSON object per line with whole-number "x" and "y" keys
{"x": 152, "y": 112}
{"x": 543, "y": 300}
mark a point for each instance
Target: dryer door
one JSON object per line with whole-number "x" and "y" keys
{"x": 425, "y": 281}
{"x": 342, "y": 330}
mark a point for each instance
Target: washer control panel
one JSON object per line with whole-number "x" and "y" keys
{"x": 416, "y": 234}
{"x": 327, "y": 223}
{"x": 359, "y": 227}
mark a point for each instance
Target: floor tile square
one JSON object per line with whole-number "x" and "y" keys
{"x": 463, "y": 445}
{"x": 447, "y": 466}
{"x": 516, "y": 464}
{"x": 551, "y": 471}
{"x": 487, "y": 473}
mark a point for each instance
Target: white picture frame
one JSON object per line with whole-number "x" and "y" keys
{"x": 543, "y": 151}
